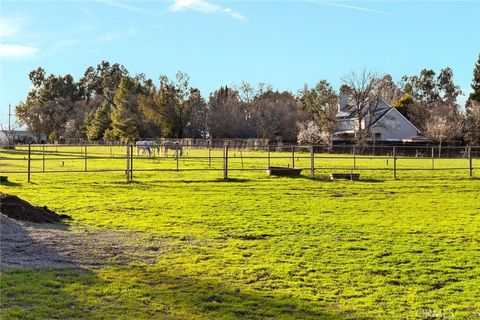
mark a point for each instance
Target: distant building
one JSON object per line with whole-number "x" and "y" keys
{"x": 21, "y": 137}
{"x": 387, "y": 124}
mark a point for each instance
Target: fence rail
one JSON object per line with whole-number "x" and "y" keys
{"x": 316, "y": 159}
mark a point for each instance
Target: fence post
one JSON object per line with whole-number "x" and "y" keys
{"x": 312, "y": 162}
{"x": 28, "y": 164}
{"x": 225, "y": 163}
{"x": 470, "y": 161}
{"x": 293, "y": 156}
{"x": 394, "y": 162}
{"x": 127, "y": 156}
{"x": 43, "y": 158}
{"x": 176, "y": 154}
{"x": 241, "y": 158}
{"x": 131, "y": 162}
{"x": 433, "y": 158}
{"x": 209, "y": 154}
{"x": 354, "y": 159}
{"x": 268, "y": 155}
{"x": 86, "y": 158}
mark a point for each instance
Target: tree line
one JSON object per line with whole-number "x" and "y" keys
{"x": 108, "y": 103}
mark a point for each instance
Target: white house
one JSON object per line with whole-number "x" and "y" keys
{"x": 20, "y": 136}
{"x": 386, "y": 122}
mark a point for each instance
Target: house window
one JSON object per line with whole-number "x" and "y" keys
{"x": 378, "y": 136}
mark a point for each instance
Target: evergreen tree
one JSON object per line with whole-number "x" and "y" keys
{"x": 473, "y": 108}
{"x": 431, "y": 95}
{"x": 126, "y": 121}
{"x": 475, "y": 95}
{"x": 101, "y": 121}
{"x": 196, "y": 126}
{"x": 321, "y": 103}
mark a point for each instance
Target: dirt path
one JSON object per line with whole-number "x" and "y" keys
{"x": 35, "y": 245}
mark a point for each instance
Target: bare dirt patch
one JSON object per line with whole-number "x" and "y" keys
{"x": 16, "y": 208}
{"x": 42, "y": 245}
{"x": 33, "y": 237}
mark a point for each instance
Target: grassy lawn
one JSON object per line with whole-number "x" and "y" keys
{"x": 261, "y": 248}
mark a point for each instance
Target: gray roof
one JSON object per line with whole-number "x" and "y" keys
{"x": 381, "y": 108}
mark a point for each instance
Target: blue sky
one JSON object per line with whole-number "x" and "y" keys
{"x": 282, "y": 43}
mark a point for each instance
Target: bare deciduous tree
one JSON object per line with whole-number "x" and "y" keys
{"x": 365, "y": 91}
{"x": 9, "y": 132}
{"x": 390, "y": 91}
{"x": 445, "y": 125}
{"x": 310, "y": 133}
{"x": 472, "y": 123}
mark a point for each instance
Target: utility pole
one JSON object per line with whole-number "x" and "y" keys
{"x": 9, "y": 116}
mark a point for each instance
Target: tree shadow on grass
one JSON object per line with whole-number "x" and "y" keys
{"x": 140, "y": 293}
{"x": 19, "y": 249}
{"x": 44, "y": 282}
{"x": 10, "y": 184}
{"x": 369, "y": 181}
{"x": 433, "y": 178}
{"x": 326, "y": 178}
{"x": 235, "y": 180}
{"x": 39, "y": 293}
{"x": 180, "y": 181}
{"x": 216, "y": 300}
{"x": 300, "y": 177}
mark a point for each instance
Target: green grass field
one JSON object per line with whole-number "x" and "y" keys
{"x": 254, "y": 247}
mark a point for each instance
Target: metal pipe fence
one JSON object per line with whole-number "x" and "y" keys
{"x": 317, "y": 160}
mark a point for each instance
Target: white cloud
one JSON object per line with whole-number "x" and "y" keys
{"x": 60, "y": 46}
{"x": 17, "y": 51}
{"x": 116, "y": 35}
{"x": 204, "y": 7}
{"x": 11, "y": 29}
{"x": 127, "y": 7}
{"x": 11, "y": 26}
{"x": 197, "y": 5}
{"x": 346, "y": 6}
{"x": 124, "y": 6}
{"x": 6, "y": 30}
{"x": 108, "y": 37}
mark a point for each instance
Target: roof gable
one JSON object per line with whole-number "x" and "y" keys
{"x": 394, "y": 110}
{"x": 349, "y": 111}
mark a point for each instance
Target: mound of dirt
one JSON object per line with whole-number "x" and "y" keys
{"x": 16, "y": 208}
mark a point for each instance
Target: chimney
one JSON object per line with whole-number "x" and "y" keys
{"x": 342, "y": 102}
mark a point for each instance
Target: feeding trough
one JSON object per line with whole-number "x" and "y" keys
{"x": 283, "y": 171}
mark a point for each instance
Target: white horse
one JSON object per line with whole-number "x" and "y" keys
{"x": 146, "y": 147}
{"x": 177, "y": 148}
